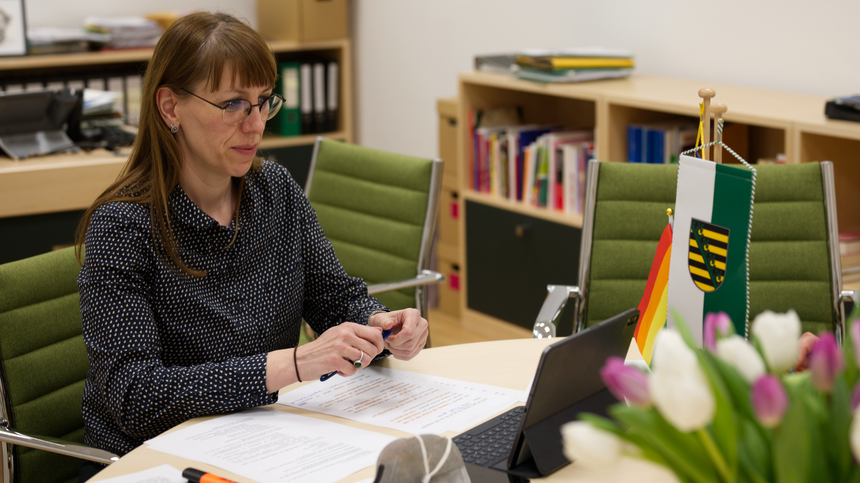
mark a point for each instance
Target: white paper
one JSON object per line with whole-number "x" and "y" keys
{"x": 405, "y": 401}
{"x": 159, "y": 474}
{"x": 273, "y": 446}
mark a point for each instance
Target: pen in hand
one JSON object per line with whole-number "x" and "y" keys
{"x": 326, "y": 377}
{"x": 198, "y": 476}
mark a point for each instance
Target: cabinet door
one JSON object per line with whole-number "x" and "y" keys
{"x": 511, "y": 258}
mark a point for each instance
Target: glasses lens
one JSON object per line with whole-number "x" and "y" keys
{"x": 273, "y": 104}
{"x": 236, "y": 111}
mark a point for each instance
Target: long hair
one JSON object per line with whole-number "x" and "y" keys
{"x": 195, "y": 48}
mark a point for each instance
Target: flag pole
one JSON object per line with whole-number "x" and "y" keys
{"x": 706, "y": 93}
{"x": 718, "y": 109}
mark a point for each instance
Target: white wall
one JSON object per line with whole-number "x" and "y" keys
{"x": 408, "y": 52}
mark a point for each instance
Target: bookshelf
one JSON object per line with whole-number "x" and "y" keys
{"x": 41, "y": 198}
{"x": 760, "y": 124}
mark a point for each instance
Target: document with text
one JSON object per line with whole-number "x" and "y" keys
{"x": 273, "y": 446}
{"x": 402, "y": 400}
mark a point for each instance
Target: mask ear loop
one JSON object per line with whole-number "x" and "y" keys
{"x": 427, "y": 473}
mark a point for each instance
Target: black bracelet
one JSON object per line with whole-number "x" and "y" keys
{"x": 296, "y": 363}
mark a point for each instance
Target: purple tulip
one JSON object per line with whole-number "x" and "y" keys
{"x": 626, "y": 382}
{"x": 769, "y": 400}
{"x": 825, "y": 361}
{"x": 716, "y": 324}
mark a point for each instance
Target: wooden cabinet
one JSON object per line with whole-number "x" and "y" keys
{"x": 760, "y": 124}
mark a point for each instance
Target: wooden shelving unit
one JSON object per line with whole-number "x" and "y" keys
{"x": 760, "y": 124}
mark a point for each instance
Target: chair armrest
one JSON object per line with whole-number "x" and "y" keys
{"x": 556, "y": 298}
{"x": 55, "y": 445}
{"x": 426, "y": 277}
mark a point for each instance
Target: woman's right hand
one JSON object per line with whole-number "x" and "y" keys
{"x": 337, "y": 349}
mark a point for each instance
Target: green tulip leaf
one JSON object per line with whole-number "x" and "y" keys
{"x": 725, "y": 424}
{"x": 838, "y": 429}
{"x": 792, "y": 444}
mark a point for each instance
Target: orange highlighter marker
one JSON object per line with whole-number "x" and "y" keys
{"x": 197, "y": 476}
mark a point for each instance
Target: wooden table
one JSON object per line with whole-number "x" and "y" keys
{"x": 506, "y": 363}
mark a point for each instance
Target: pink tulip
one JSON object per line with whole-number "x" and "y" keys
{"x": 855, "y": 398}
{"x": 769, "y": 400}
{"x": 825, "y": 361}
{"x": 716, "y": 324}
{"x": 626, "y": 382}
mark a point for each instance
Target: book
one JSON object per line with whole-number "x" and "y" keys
{"x": 497, "y": 63}
{"x": 568, "y": 75}
{"x": 553, "y": 63}
{"x": 319, "y": 98}
{"x": 288, "y": 121}
{"x": 332, "y": 95}
{"x": 307, "y": 99}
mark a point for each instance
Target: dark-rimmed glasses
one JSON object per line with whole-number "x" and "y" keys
{"x": 238, "y": 110}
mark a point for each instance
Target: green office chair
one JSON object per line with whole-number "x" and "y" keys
{"x": 43, "y": 365}
{"x": 378, "y": 209}
{"x": 794, "y": 252}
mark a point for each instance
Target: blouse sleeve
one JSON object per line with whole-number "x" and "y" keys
{"x": 122, "y": 337}
{"x": 331, "y": 295}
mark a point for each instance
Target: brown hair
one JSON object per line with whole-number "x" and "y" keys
{"x": 195, "y": 48}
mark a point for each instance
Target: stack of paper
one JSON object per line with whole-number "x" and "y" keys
{"x": 573, "y": 65}
{"x": 125, "y": 32}
{"x": 100, "y": 103}
{"x": 55, "y": 40}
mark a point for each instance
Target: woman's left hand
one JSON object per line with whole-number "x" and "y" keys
{"x": 409, "y": 331}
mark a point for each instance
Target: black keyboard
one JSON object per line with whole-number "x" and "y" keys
{"x": 491, "y": 442}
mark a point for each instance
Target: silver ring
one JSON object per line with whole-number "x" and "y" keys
{"x": 358, "y": 362}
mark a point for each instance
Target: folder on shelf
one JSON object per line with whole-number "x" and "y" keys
{"x": 307, "y": 98}
{"x": 332, "y": 93}
{"x": 320, "y": 117}
{"x": 288, "y": 121}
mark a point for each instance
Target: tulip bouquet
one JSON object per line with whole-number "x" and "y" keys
{"x": 731, "y": 412}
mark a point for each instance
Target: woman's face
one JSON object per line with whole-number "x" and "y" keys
{"x": 211, "y": 149}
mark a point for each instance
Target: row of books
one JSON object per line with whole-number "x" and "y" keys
{"x": 538, "y": 165}
{"x": 311, "y": 92}
{"x": 659, "y": 143}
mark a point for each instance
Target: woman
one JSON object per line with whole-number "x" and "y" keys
{"x": 201, "y": 260}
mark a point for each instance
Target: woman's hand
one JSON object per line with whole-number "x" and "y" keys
{"x": 408, "y": 331}
{"x": 337, "y": 349}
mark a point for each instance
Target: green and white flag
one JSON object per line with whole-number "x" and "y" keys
{"x": 709, "y": 265}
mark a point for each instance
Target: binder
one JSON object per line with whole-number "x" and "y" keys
{"x": 307, "y": 99}
{"x": 319, "y": 96}
{"x": 288, "y": 121}
{"x": 332, "y": 93}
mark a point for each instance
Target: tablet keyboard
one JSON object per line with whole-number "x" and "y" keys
{"x": 490, "y": 442}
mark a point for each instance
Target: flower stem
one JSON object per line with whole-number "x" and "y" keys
{"x": 715, "y": 455}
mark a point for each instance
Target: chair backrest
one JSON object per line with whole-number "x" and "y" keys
{"x": 378, "y": 209}
{"x": 791, "y": 252}
{"x": 43, "y": 360}
{"x": 625, "y": 213}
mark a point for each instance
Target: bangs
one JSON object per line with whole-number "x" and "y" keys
{"x": 251, "y": 62}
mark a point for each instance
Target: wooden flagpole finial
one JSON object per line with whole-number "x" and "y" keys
{"x": 706, "y": 93}
{"x": 718, "y": 109}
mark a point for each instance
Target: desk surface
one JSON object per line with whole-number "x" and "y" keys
{"x": 507, "y": 363}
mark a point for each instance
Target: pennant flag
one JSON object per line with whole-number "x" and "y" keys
{"x": 652, "y": 307}
{"x": 709, "y": 268}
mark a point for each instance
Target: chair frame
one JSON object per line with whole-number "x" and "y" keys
{"x": 9, "y": 436}
{"x": 424, "y": 275}
{"x": 558, "y": 295}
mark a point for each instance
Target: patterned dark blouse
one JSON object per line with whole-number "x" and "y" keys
{"x": 165, "y": 347}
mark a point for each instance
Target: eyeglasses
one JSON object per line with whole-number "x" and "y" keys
{"x": 238, "y": 110}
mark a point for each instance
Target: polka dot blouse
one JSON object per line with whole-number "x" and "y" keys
{"x": 164, "y": 346}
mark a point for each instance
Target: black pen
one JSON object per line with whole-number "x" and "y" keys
{"x": 326, "y": 377}
{"x": 198, "y": 476}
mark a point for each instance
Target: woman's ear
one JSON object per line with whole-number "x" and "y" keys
{"x": 167, "y": 100}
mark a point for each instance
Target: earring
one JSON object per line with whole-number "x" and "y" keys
{"x": 174, "y": 129}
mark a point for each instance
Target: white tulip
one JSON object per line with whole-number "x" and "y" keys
{"x": 741, "y": 355}
{"x": 855, "y": 434}
{"x": 589, "y": 445}
{"x": 679, "y": 389}
{"x": 777, "y": 334}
